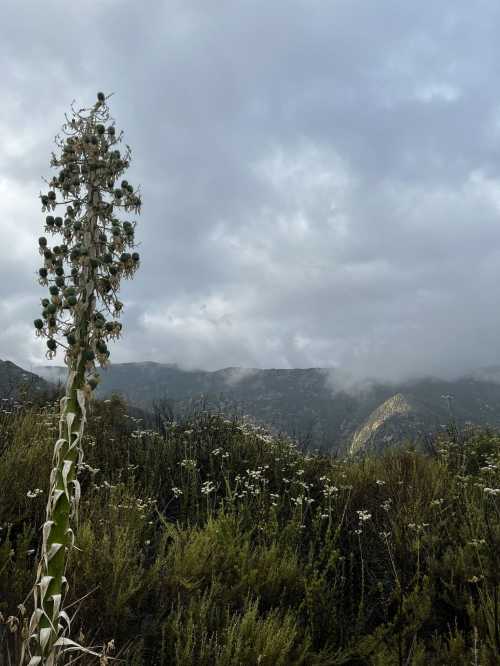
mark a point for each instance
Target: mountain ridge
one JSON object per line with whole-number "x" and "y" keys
{"x": 305, "y": 403}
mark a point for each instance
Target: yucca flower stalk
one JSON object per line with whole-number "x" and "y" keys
{"x": 79, "y": 315}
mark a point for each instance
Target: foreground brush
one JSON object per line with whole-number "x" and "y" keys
{"x": 82, "y": 272}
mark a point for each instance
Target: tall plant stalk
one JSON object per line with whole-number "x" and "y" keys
{"x": 83, "y": 275}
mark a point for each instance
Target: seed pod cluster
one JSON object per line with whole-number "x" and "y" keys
{"x": 87, "y": 246}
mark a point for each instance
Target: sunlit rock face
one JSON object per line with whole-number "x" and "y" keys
{"x": 397, "y": 418}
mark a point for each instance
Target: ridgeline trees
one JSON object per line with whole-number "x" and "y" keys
{"x": 92, "y": 250}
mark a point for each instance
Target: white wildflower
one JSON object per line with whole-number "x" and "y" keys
{"x": 31, "y": 494}
{"x": 207, "y": 487}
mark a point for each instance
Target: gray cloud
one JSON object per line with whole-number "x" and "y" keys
{"x": 320, "y": 180}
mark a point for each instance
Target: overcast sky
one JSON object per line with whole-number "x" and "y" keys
{"x": 320, "y": 178}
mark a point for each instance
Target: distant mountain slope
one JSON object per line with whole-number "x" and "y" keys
{"x": 16, "y": 382}
{"x": 302, "y": 403}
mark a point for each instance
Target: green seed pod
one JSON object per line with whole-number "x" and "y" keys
{"x": 47, "y": 254}
{"x": 64, "y": 249}
{"x": 105, "y": 285}
{"x": 100, "y": 129}
{"x": 51, "y": 195}
{"x": 135, "y": 256}
{"x": 109, "y": 326}
{"x": 43, "y": 272}
{"x": 125, "y": 184}
{"x": 60, "y": 281}
{"x": 45, "y": 199}
{"x": 89, "y": 355}
{"x": 58, "y": 221}
{"x": 101, "y": 347}
{"x": 100, "y": 97}
{"x": 45, "y": 302}
{"x": 124, "y": 257}
{"x": 118, "y": 193}
{"x": 93, "y": 382}
{"x": 111, "y": 130}
{"x": 69, "y": 291}
{"x": 45, "y": 314}
{"x": 59, "y": 271}
{"x": 42, "y": 241}
{"x": 51, "y": 308}
{"x": 72, "y": 301}
{"x": 71, "y": 338}
{"x": 52, "y": 344}
{"x": 49, "y": 221}
{"x": 53, "y": 290}
{"x": 38, "y": 324}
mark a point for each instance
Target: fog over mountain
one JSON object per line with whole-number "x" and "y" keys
{"x": 320, "y": 179}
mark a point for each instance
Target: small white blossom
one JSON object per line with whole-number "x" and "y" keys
{"x": 31, "y": 494}
{"x": 207, "y": 487}
{"x": 386, "y": 505}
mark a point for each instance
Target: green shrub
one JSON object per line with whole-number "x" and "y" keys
{"x": 217, "y": 544}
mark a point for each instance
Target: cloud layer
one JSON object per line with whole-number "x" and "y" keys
{"x": 320, "y": 179}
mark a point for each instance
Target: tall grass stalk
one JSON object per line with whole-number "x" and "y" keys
{"x": 83, "y": 276}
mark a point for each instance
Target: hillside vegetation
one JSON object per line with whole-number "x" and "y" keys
{"x": 211, "y": 542}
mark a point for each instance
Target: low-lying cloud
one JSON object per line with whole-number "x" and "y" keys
{"x": 320, "y": 180}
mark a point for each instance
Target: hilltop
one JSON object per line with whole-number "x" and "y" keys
{"x": 16, "y": 383}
